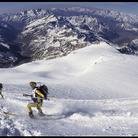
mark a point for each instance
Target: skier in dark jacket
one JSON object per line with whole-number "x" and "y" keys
{"x": 1, "y": 86}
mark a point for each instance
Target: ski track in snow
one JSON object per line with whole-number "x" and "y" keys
{"x": 94, "y": 97}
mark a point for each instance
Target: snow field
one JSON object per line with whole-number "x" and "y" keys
{"x": 76, "y": 118}
{"x": 96, "y": 95}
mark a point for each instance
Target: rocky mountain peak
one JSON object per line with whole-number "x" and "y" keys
{"x": 44, "y": 34}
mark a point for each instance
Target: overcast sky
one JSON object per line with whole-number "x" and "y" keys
{"x": 13, "y": 7}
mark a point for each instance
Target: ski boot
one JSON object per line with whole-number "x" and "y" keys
{"x": 31, "y": 115}
{"x": 41, "y": 113}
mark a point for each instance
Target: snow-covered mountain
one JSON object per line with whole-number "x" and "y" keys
{"x": 116, "y": 16}
{"x": 53, "y": 36}
{"x": 56, "y": 32}
{"x": 19, "y": 20}
{"x": 9, "y": 48}
{"x": 8, "y": 51}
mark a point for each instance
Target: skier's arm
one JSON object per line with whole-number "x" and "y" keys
{"x": 39, "y": 93}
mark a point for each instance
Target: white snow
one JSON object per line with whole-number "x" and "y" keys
{"x": 135, "y": 41}
{"x": 5, "y": 45}
{"x": 96, "y": 95}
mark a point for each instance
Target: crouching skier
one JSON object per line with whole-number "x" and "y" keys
{"x": 37, "y": 97}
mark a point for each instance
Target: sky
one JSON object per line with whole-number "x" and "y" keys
{"x": 14, "y": 7}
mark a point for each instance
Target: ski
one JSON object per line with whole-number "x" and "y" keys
{"x": 45, "y": 117}
{"x": 9, "y": 113}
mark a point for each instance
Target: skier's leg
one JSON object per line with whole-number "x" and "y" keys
{"x": 31, "y": 105}
{"x": 39, "y": 109}
{"x": 30, "y": 110}
{"x": 1, "y": 93}
{"x": 35, "y": 105}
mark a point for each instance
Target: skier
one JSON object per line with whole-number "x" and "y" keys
{"x": 1, "y": 86}
{"x": 37, "y": 97}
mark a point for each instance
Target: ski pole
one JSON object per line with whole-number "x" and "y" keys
{"x": 52, "y": 96}
{"x": 28, "y": 95}
{"x": 31, "y": 95}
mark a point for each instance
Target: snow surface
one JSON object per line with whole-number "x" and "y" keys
{"x": 5, "y": 45}
{"x": 96, "y": 95}
{"x": 135, "y": 41}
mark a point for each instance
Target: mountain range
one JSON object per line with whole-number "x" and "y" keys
{"x": 45, "y": 34}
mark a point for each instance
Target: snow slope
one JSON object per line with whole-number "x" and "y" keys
{"x": 96, "y": 95}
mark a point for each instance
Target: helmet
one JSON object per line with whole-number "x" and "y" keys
{"x": 33, "y": 84}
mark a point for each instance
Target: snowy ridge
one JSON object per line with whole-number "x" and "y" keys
{"x": 118, "y": 16}
{"x": 25, "y": 16}
{"x": 47, "y": 34}
{"x": 96, "y": 95}
{"x": 53, "y": 36}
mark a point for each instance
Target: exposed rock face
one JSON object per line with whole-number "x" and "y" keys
{"x": 45, "y": 34}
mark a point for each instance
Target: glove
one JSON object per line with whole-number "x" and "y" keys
{"x": 32, "y": 97}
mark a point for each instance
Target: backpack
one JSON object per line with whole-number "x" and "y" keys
{"x": 44, "y": 90}
{"x": 1, "y": 86}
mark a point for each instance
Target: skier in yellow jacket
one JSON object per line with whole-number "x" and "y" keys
{"x": 37, "y": 97}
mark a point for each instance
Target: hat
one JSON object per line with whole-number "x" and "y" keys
{"x": 32, "y": 84}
